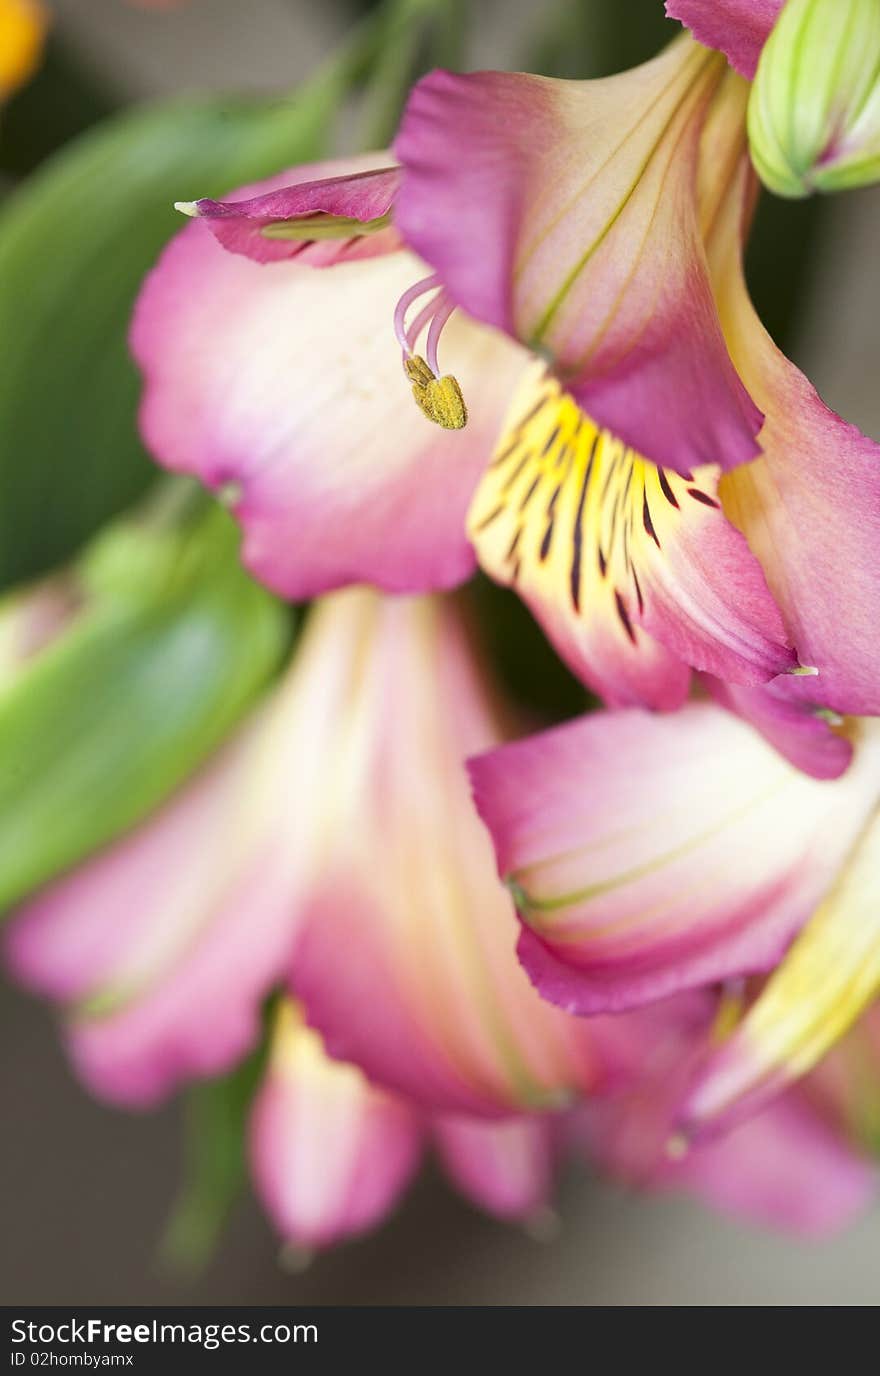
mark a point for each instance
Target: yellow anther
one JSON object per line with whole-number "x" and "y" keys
{"x": 727, "y": 1016}
{"x": 439, "y": 398}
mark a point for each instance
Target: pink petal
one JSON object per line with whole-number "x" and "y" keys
{"x": 738, "y": 28}
{"x": 330, "y": 1155}
{"x": 786, "y": 1168}
{"x": 827, "y": 981}
{"x": 239, "y": 222}
{"x": 651, "y": 854}
{"x": 167, "y": 941}
{"x": 564, "y": 214}
{"x": 810, "y": 506}
{"x": 789, "y": 1168}
{"x": 788, "y": 716}
{"x": 429, "y": 998}
{"x": 506, "y": 1168}
{"x": 283, "y": 388}
{"x": 635, "y": 573}
{"x": 165, "y": 945}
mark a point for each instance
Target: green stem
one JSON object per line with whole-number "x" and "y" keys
{"x": 414, "y": 34}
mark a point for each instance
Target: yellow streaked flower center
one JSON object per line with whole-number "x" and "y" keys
{"x": 568, "y": 504}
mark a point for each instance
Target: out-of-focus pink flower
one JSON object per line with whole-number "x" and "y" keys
{"x": 330, "y": 846}
{"x": 331, "y": 850}
{"x": 331, "y": 1152}
{"x": 794, "y": 1166}
{"x": 338, "y": 820}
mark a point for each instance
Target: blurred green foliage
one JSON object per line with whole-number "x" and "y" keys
{"x": 59, "y": 102}
{"x": 215, "y": 1167}
{"x": 171, "y": 645}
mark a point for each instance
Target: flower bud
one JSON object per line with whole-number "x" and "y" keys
{"x": 814, "y": 111}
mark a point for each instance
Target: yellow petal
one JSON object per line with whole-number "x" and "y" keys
{"x": 23, "y": 25}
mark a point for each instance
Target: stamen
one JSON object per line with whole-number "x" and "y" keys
{"x": 444, "y": 309}
{"x": 412, "y": 294}
{"x": 438, "y": 397}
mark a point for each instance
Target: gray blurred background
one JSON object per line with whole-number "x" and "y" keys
{"x": 85, "y": 1190}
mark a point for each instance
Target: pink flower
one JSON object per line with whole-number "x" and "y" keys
{"x": 579, "y": 261}
{"x": 337, "y": 819}
{"x": 650, "y": 855}
{"x": 330, "y": 851}
{"x": 331, "y": 846}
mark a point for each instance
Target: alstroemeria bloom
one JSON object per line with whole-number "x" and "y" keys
{"x": 654, "y": 854}
{"x": 339, "y": 813}
{"x": 331, "y": 848}
{"x": 331, "y": 1152}
{"x": 338, "y": 820}
{"x": 570, "y": 241}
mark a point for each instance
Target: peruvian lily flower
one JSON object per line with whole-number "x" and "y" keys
{"x": 571, "y": 241}
{"x": 654, "y": 854}
{"x": 331, "y": 848}
{"x": 339, "y": 813}
{"x": 331, "y": 1152}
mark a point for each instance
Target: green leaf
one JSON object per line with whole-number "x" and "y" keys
{"x": 172, "y": 646}
{"x": 75, "y": 242}
{"x": 216, "y": 1167}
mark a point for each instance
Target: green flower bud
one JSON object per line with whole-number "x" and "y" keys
{"x": 814, "y": 110}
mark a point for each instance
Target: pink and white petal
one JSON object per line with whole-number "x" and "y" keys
{"x": 282, "y": 387}
{"x": 164, "y": 946}
{"x": 737, "y": 28}
{"x": 564, "y": 214}
{"x": 431, "y": 1000}
{"x": 786, "y": 1168}
{"x": 653, "y": 854}
{"x": 827, "y": 980}
{"x": 810, "y": 506}
{"x": 787, "y": 715}
{"x": 506, "y": 1168}
{"x": 330, "y": 1155}
{"x": 84, "y": 933}
{"x": 351, "y": 189}
{"x": 635, "y": 573}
